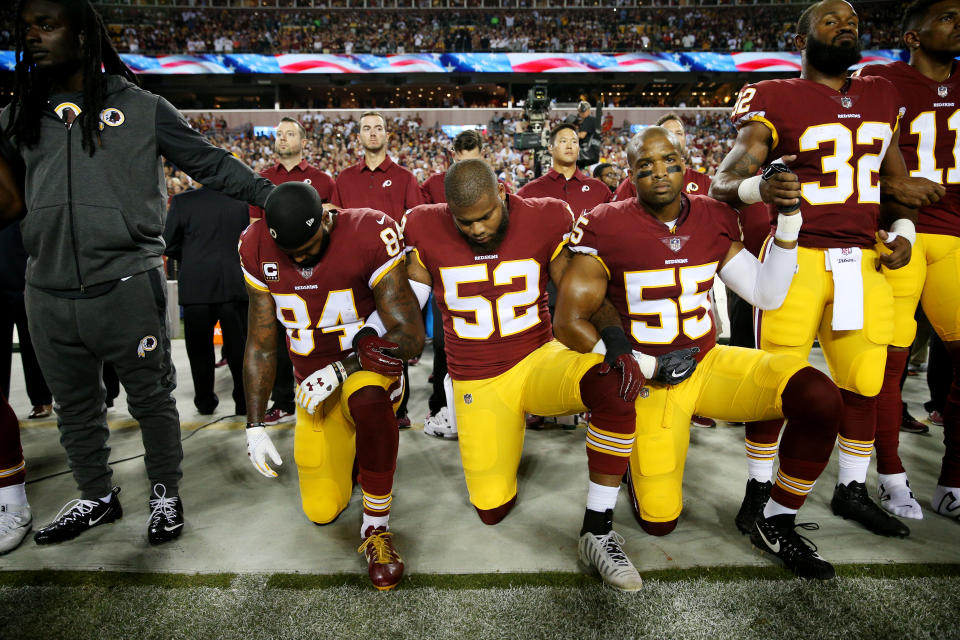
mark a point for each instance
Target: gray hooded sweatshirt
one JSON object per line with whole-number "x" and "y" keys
{"x": 91, "y": 221}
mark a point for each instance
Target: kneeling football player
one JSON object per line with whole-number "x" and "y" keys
{"x": 321, "y": 274}
{"x": 655, "y": 256}
{"x": 487, "y": 257}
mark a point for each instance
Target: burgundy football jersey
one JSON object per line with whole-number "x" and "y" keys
{"x": 929, "y": 138}
{"x": 839, "y": 139}
{"x": 494, "y": 306}
{"x": 323, "y": 307}
{"x": 660, "y": 280}
{"x": 581, "y": 191}
{"x": 432, "y": 188}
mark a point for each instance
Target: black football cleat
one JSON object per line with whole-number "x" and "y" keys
{"x": 166, "y": 516}
{"x": 777, "y": 536}
{"x": 78, "y": 516}
{"x": 852, "y": 502}
{"x": 754, "y": 500}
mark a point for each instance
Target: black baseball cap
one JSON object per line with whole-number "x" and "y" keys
{"x": 293, "y": 212}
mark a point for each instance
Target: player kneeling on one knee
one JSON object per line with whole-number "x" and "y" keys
{"x": 337, "y": 282}
{"x": 655, "y": 258}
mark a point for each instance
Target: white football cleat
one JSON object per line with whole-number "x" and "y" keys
{"x": 897, "y": 498}
{"x": 604, "y": 555}
{"x": 16, "y": 521}
{"x": 438, "y": 425}
{"x": 946, "y": 501}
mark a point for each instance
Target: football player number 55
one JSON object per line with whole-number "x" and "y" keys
{"x": 512, "y": 313}
{"x": 668, "y": 310}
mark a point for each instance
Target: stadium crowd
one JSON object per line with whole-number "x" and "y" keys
{"x": 211, "y": 30}
{"x": 332, "y": 146}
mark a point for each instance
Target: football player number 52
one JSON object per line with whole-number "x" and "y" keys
{"x": 512, "y": 313}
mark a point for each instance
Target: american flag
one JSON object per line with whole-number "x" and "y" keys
{"x": 319, "y": 63}
{"x": 476, "y": 62}
{"x": 647, "y": 62}
{"x": 175, "y": 64}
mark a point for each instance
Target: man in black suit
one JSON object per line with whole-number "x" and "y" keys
{"x": 13, "y": 267}
{"x": 202, "y": 231}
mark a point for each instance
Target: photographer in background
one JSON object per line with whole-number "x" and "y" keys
{"x": 589, "y": 135}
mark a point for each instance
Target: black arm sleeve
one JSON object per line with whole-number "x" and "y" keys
{"x": 212, "y": 166}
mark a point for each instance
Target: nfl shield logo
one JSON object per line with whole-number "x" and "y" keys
{"x": 846, "y": 251}
{"x": 675, "y": 244}
{"x": 467, "y": 398}
{"x": 942, "y": 91}
{"x": 644, "y": 392}
{"x": 306, "y": 273}
{"x": 846, "y": 102}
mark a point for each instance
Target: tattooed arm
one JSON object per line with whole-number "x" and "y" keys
{"x": 260, "y": 355}
{"x": 400, "y": 312}
{"x": 749, "y": 153}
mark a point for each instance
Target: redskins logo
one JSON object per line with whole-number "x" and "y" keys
{"x": 61, "y": 109}
{"x": 273, "y": 233}
{"x": 387, "y": 183}
{"x": 308, "y": 181}
{"x": 112, "y": 117}
{"x": 692, "y": 187}
{"x": 148, "y": 343}
{"x": 585, "y": 188}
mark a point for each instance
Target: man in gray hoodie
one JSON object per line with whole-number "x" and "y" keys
{"x": 91, "y": 142}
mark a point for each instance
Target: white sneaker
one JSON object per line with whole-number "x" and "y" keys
{"x": 946, "y": 501}
{"x": 15, "y": 523}
{"x": 897, "y": 498}
{"x": 604, "y": 555}
{"x": 438, "y": 425}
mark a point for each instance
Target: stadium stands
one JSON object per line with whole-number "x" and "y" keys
{"x": 155, "y": 30}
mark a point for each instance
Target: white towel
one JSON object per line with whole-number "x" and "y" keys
{"x": 847, "y": 288}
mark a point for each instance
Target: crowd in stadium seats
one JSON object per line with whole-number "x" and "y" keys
{"x": 159, "y": 31}
{"x": 424, "y": 150}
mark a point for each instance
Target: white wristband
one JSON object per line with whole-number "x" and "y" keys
{"x": 648, "y": 364}
{"x": 749, "y": 190}
{"x": 600, "y": 348}
{"x": 788, "y": 227}
{"x": 903, "y": 227}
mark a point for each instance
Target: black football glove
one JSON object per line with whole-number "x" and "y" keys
{"x": 676, "y": 366}
{"x": 772, "y": 169}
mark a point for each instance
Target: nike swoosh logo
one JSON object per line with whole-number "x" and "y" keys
{"x": 773, "y": 547}
{"x": 173, "y": 528}
{"x": 382, "y": 218}
{"x": 680, "y": 374}
{"x": 102, "y": 516}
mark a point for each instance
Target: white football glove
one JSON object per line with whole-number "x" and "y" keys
{"x": 259, "y": 446}
{"x": 318, "y": 386}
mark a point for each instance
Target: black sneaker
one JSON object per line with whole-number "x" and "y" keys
{"x": 852, "y": 502}
{"x": 79, "y": 515}
{"x": 777, "y": 536}
{"x": 754, "y": 500}
{"x": 166, "y": 516}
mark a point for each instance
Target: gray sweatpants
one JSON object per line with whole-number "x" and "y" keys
{"x": 128, "y": 328}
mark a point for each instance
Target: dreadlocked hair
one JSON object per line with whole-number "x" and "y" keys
{"x": 32, "y": 89}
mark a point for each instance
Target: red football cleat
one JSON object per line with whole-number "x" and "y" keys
{"x": 384, "y": 564}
